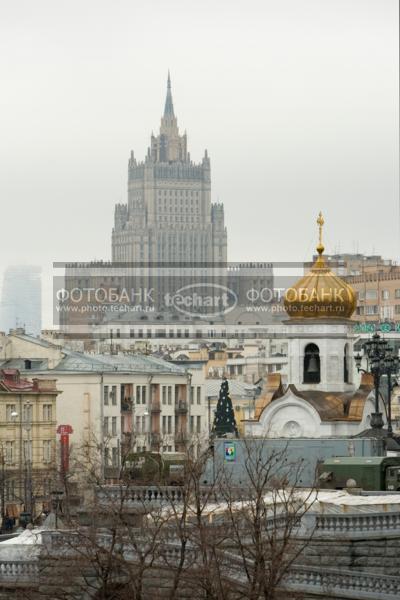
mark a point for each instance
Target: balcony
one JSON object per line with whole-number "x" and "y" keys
{"x": 126, "y": 405}
{"x": 181, "y": 407}
{"x": 180, "y": 437}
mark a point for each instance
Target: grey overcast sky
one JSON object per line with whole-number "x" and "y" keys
{"x": 295, "y": 100}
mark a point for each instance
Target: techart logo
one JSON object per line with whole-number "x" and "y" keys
{"x": 202, "y": 300}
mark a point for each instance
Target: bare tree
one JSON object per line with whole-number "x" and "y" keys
{"x": 223, "y": 541}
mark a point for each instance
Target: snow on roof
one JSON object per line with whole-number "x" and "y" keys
{"x": 320, "y": 501}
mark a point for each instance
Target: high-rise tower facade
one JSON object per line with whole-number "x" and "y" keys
{"x": 21, "y": 299}
{"x": 169, "y": 216}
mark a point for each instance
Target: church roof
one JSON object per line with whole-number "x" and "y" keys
{"x": 320, "y": 294}
{"x": 331, "y": 406}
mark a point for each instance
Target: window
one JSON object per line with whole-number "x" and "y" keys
{"x": 10, "y": 489}
{"x": 169, "y": 395}
{"x": 10, "y": 409}
{"x": 385, "y": 295}
{"x": 105, "y": 395}
{"x": 9, "y": 452}
{"x": 371, "y": 309}
{"x": 169, "y": 429}
{"x": 106, "y": 456}
{"x": 312, "y": 364}
{"x": 397, "y": 294}
{"x": 46, "y": 451}
{"x": 114, "y": 395}
{"x": 191, "y": 424}
{"x": 397, "y": 309}
{"x": 114, "y": 426}
{"x": 47, "y": 412}
{"x": 138, "y": 424}
{"x": 346, "y": 364}
{"x": 164, "y": 424}
{"x": 361, "y": 295}
{"x": 143, "y": 424}
{"x": 140, "y": 394}
{"x": 387, "y": 312}
{"x": 114, "y": 457}
{"x": 27, "y": 446}
{"x": 371, "y": 294}
{"x": 198, "y": 419}
{"x": 27, "y": 413}
{"x": 198, "y": 395}
{"x": 164, "y": 394}
{"x": 105, "y": 426}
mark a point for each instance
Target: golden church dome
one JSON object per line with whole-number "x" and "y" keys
{"x": 320, "y": 294}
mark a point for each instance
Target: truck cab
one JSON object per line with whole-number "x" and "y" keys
{"x": 373, "y": 473}
{"x": 393, "y": 478}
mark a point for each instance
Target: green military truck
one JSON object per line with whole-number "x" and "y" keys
{"x": 155, "y": 468}
{"x": 367, "y": 472}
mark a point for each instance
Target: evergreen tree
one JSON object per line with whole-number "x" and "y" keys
{"x": 224, "y": 420}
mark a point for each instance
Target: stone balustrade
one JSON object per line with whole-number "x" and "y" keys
{"x": 350, "y": 524}
{"x": 357, "y": 524}
{"x": 139, "y": 495}
{"x": 19, "y": 571}
{"x": 324, "y": 582}
{"x": 341, "y": 583}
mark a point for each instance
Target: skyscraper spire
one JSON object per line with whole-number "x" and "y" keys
{"x": 169, "y": 106}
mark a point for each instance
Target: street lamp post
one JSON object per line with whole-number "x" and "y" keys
{"x": 391, "y": 368}
{"x": 382, "y": 361}
{"x": 56, "y": 501}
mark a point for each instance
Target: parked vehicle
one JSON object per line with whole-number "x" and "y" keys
{"x": 154, "y": 468}
{"x": 366, "y": 472}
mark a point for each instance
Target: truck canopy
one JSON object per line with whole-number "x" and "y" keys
{"x": 382, "y": 461}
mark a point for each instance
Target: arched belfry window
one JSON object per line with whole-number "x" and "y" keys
{"x": 312, "y": 364}
{"x": 346, "y": 378}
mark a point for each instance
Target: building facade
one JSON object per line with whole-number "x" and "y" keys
{"x": 378, "y": 296}
{"x": 169, "y": 216}
{"x": 21, "y": 299}
{"x": 114, "y": 404}
{"x": 28, "y": 452}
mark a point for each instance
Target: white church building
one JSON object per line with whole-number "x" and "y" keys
{"x": 325, "y": 396}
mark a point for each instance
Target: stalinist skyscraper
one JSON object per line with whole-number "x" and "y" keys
{"x": 169, "y": 216}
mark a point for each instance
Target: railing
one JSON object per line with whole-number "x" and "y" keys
{"x": 341, "y": 583}
{"x": 349, "y": 525}
{"x": 23, "y": 571}
{"x": 309, "y": 580}
{"x": 139, "y": 495}
{"x": 355, "y": 524}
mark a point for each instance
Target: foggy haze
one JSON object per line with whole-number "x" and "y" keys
{"x": 295, "y": 100}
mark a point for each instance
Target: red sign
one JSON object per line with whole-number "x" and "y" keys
{"x": 64, "y": 429}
